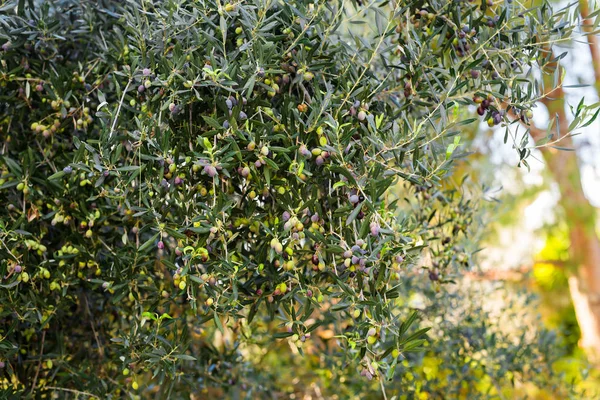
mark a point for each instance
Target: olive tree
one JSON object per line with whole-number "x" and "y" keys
{"x": 170, "y": 167}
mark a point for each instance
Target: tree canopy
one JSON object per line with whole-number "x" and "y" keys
{"x": 173, "y": 170}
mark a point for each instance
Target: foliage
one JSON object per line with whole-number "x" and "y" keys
{"x": 170, "y": 166}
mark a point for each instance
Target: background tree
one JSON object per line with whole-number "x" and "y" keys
{"x": 563, "y": 167}
{"x": 170, "y": 167}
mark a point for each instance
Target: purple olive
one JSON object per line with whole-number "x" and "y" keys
{"x": 375, "y": 229}
{"x": 497, "y": 118}
{"x": 305, "y": 152}
{"x": 210, "y": 170}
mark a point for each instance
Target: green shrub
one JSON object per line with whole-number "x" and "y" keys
{"x": 170, "y": 166}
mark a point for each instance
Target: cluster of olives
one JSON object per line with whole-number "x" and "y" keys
{"x": 46, "y": 130}
{"x": 231, "y": 102}
{"x": 495, "y": 117}
{"x": 359, "y": 110}
{"x": 356, "y": 258}
{"x": 298, "y": 337}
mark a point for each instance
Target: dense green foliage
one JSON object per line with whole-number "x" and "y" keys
{"x": 174, "y": 167}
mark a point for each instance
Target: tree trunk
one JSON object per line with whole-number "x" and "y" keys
{"x": 584, "y": 250}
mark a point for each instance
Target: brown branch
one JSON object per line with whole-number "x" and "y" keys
{"x": 513, "y": 275}
{"x": 556, "y": 263}
{"x": 39, "y": 366}
{"x": 77, "y": 392}
{"x": 516, "y": 274}
{"x": 592, "y": 39}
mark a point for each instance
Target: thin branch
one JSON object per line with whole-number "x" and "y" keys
{"x": 39, "y": 366}
{"x": 112, "y": 128}
{"x": 77, "y": 392}
{"x": 382, "y": 388}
